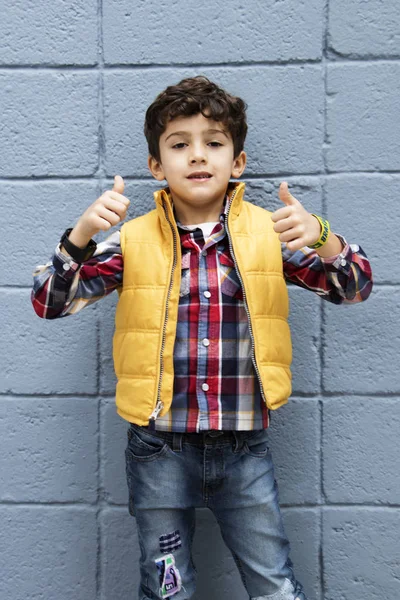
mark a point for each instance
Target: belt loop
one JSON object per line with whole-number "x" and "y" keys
{"x": 238, "y": 440}
{"x": 177, "y": 441}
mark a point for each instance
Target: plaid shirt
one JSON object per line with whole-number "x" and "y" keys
{"x": 215, "y": 383}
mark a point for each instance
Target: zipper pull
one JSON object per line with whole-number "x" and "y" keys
{"x": 156, "y": 411}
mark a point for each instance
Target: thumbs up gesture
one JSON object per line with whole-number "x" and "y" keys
{"x": 108, "y": 210}
{"x": 296, "y": 226}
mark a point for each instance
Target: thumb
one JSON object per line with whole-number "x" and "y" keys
{"x": 285, "y": 195}
{"x": 118, "y": 184}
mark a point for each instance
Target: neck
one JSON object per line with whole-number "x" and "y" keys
{"x": 189, "y": 215}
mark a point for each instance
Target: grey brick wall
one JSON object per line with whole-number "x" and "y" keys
{"x": 322, "y": 83}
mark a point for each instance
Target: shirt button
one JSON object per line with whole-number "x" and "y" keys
{"x": 205, "y": 387}
{"x": 66, "y": 267}
{"x": 207, "y": 294}
{"x": 204, "y": 253}
{"x": 206, "y": 342}
{"x": 355, "y": 247}
{"x": 343, "y": 262}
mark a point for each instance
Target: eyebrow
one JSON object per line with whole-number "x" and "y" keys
{"x": 205, "y": 131}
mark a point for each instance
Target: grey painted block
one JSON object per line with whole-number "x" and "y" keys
{"x": 41, "y": 211}
{"x": 362, "y": 117}
{"x": 361, "y": 553}
{"x": 359, "y": 28}
{"x": 265, "y": 192}
{"x": 285, "y": 129}
{"x": 113, "y": 444}
{"x": 48, "y": 33}
{"x": 304, "y": 321}
{"x": 266, "y": 31}
{"x": 49, "y": 449}
{"x": 358, "y": 207}
{"x": 119, "y": 569}
{"x": 48, "y": 552}
{"x": 39, "y": 356}
{"x": 302, "y": 526}
{"x": 361, "y": 345}
{"x": 49, "y": 123}
{"x": 358, "y": 433}
{"x": 295, "y": 444}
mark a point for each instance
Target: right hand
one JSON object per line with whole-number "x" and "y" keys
{"x": 108, "y": 210}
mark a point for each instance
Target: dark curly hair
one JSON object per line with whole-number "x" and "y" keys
{"x": 192, "y": 96}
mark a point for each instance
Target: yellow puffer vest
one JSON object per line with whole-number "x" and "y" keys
{"x": 147, "y": 310}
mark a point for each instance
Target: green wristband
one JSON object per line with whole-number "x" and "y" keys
{"x": 325, "y": 230}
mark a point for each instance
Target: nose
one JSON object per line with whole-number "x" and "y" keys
{"x": 198, "y": 155}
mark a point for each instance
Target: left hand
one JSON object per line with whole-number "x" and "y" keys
{"x": 296, "y": 226}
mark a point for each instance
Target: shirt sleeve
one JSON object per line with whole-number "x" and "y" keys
{"x": 63, "y": 287}
{"x": 345, "y": 278}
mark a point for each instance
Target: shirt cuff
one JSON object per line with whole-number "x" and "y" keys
{"x": 65, "y": 266}
{"x": 340, "y": 262}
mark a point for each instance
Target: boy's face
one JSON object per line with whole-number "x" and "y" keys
{"x": 191, "y": 144}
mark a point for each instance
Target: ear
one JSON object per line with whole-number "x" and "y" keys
{"x": 155, "y": 168}
{"x": 239, "y": 164}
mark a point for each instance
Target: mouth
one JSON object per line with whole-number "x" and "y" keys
{"x": 200, "y": 176}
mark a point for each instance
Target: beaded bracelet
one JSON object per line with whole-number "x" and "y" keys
{"x": 325, "y": 230}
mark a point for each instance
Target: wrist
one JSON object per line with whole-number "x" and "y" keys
{"x": 70, "y": 247}
{"x": 78, "y": 237}
{"x": 324, "y": 231}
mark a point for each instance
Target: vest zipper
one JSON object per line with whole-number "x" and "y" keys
{"x": 253, "y": 354}
{"x": 159, "y": 404}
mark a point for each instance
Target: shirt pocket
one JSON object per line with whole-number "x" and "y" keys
{"x": 230, "y": 283}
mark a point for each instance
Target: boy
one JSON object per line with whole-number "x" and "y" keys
{"x": 202, "y": 346}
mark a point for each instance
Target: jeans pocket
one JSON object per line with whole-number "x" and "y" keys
{"x": 257, "y": 445}
{"x": 143, "y": 446}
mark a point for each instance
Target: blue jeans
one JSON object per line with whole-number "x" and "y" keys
{"x": 232, "y": 474}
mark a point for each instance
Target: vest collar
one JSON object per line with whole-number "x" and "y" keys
{"x": 164, "y": 194}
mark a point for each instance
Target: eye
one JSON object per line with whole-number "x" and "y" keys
{"x": 183, "y": 144}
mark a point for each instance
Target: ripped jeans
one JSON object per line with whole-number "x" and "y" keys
{"x": 232, "y": 474}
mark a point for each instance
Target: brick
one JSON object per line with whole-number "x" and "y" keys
{"x": 44, "y": 33}
{"x": 119, "y": 569}
{"x": 361, "y": 553}
{"x": 302, "y": 526}
{"x": 358, "y": 433}
{"x": 148, "y": 34}
{"x": 369, "y": 29}
{"x": 350, "y": 206}
{"x": 39, "y": 356}
{"x": 361, "y": 345}
{"x": 285, "y": 128}
{"x": 43, "y": 442}
{"x": 51, "y": 123}
{"x": 48, "y": 552}
{"x": 41, "y": 212}
{"x": 362, "y": 125}
{"x": 294, "y": 444}
{"x": 304, "y": 321}
{"x": 114, "y": 441}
